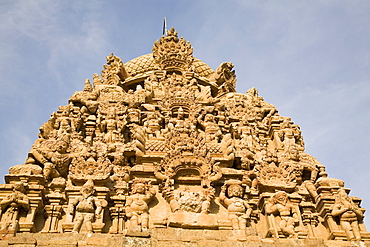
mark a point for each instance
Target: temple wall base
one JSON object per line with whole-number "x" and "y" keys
{"x": 167, "y": 237}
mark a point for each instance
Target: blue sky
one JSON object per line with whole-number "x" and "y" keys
{"x": 311, "y": 59}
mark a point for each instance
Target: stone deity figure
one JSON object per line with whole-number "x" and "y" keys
{"x": 287, "y": 135}
{"x": 137, "y": 209}
{"x": 349, "y": 214}
{"x": 87, "y": 208}
{"x": 194, "y": 202}
{"x": 279, "y": 205}
{"x": 247, "y": 135}
{"x": 56, "y": 163}
{"x": 152, "y": 125}
{"x": 111, "y": 127}
{"x": 211, "y": 129}
{"x": 63, "y": 124}
{"x": 239, "y": 209}
{"x": 179, "y": 123}
{"x": 11, "y": 206}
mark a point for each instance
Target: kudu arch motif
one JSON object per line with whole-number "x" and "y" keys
{"x": 163, "y": 141}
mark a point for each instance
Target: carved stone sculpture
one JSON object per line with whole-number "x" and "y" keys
{"x": 85, "y": 208}
{"x": 12, "y": 206}
{"x": 137, "y": 208}
{"x": 284, "y": 214}
{"x": 349, "y": 214}
{"x": 238, "y": 208}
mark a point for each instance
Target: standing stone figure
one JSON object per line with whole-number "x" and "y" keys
{"x": 348, "y": 213}
{"x": 137, "y": 209}
{"x": 11, "y": 206}
{"x": 86, "y": 207}
{"x": 280, "y": 205}
{"x": 239, "y": 209}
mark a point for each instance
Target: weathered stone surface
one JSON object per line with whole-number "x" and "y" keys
{"x": 162, "y": 151}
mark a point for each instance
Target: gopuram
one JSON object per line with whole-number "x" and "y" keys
{"x": 162, "y": 151}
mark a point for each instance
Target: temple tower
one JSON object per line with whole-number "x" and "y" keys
{"x": 163, "y": 151}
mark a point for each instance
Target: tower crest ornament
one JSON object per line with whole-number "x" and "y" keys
{"x": 161, "y": 147}
{"x": 172, "y": 52}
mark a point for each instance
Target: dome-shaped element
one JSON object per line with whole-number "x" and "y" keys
{"x": 146, "y": 63}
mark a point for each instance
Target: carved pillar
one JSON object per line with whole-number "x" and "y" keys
{"x": 253, "y": 202}
{"x": 101, "y": 194}
{"x": 271, "y": 230}
{"x": 118, "y": 214}
{"x": 35, "y": 198}
{"x": 309, "y": 218}
{"x": 53, "y": 214}
{"x": 71, "y": 193}
{"x": 324, "y": 208}
{"x": 54, "y": 210}
{"x": 296, "y": 199}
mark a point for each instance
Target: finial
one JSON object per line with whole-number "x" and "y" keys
{"x": 164, "y": 26}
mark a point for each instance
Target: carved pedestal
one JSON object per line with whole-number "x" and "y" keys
{"x": 192, "y": 220}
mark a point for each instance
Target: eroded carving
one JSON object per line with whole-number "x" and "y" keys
{"x": 86, "y": 208}
{"x": 13, "y": 206}
{"x": 238, "y": 208}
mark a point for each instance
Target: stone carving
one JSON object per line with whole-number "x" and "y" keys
{"x": 238, "y": 208}
{"x": 114, "y": 71}
{"x": 85, "y": 208}
{"x": 284, "y": 215}
{"x": 225, "y": 77}
{"x": 167, "y": 122}
{"x": 13, "y": 206}
{"x": 194, "y": 202}
{"x": 57, "y": 159}
{"x": 349, "y": 214}
{"x": 171, "y": 52}
{"x": 137, "y": 208}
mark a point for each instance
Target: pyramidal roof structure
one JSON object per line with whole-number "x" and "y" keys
{"x": 162, "y": 150}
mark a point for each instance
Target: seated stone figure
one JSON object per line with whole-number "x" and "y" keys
{"x": 86, "y": 208}
{"x": 239, "y": 209}
{"x": 137, "y": 209}
{"x": 11, "y": 206}
{"x": 348, "y": 213}
{"x": 280, "y": 205}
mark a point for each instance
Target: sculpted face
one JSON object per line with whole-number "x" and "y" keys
{"x": 19, "y": 187}
{"x": 87, "y": 191}
{"x": 235, "y": 191}
{"x": 208, "y": 118}
{"x": 140, "y": 188}
{"x": 61, "y": 146}
{"x": 180, "y": 113}
{"x": 282, "y": 198}
{"x": 294, "y": 154}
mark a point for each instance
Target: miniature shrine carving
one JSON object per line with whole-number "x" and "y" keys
{"x": 163, "y": 141}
